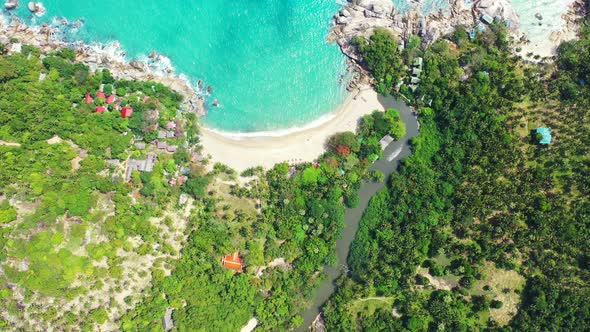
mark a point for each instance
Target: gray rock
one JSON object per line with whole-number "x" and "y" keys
{"x": 11, "y": 4}
{"x": 139, "y": 65}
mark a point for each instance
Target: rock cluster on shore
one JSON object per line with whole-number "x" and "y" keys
{"x": 361, "y": 17}
{"x": 154, "y": 68}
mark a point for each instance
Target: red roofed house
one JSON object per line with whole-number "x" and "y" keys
{"x": 100, "y": 109}
{"x": 126, "y": 112}
{"x": 110, "y": 99}
{"x": 100, "y": 94}
{"x": 233, "y": 261}
{"x": 88, "y": 98}
{"x": 181, "y": 180}
{"x": 145, "y": 99}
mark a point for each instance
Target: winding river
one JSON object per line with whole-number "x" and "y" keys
{"x": 392, "y": 155}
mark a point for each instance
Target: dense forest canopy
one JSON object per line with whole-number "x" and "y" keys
{"x": 482, "y": 227}
{"x": 85, "y": 225}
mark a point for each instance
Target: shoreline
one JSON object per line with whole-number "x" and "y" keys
{"x": 303, "y": 144}
{"x": 281, "y": 132}
{"x": 546, "y": 48}
{"x": 241, "y": 150}
{"x": 153, "y": 67}
{"x": 237, "y": 150}
{"x": 361, "y": 17}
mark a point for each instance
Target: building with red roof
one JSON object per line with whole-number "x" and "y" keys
{"x": 145, "y": 99}
{"x": 88, "y": 98}
{"x": 126, "y": 112}
{"x": 233, "y": 262}
{"x": 100, "y": 109}
{"x": 100, "y": 94}
{"x": 181, "y": 180}
{"x": 110, "y": 99}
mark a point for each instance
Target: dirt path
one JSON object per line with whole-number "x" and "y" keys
{"x": 10, "y": 144}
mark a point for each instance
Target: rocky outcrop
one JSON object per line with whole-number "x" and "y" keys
{"x": 362, "y": 17}
{"x": 36, "y": 8}
{"x": 11, "y": 4}
{"x": 318, "y": 324}
{"x": 110, "y": 56}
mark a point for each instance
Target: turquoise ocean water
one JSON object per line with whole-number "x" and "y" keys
{"x": 267, "y": 60}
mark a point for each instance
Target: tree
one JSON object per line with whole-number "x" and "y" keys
{"x": 381, "y": 56}
{"x": 496, "y": 304}
{"x": 347, "y": 139}
{"x": 343, "y": 150}
{"x": 196, "y": 186}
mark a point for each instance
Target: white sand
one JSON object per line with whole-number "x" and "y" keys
{"x": 268, "y": 149}
{"x": 556, "y": 26}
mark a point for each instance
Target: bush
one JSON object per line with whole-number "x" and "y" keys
{"x": 436, "y": 269}
{"x": 99, "y": 315}
{"x": 352, "y": 200}
{"x": 496, "y": 304}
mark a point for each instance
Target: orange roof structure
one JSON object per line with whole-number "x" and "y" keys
{"x": 233, "y": 262}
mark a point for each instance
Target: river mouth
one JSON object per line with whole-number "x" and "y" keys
{"x": 401, "y": 149}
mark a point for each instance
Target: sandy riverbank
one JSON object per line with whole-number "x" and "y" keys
{"x": 241, "y": 153}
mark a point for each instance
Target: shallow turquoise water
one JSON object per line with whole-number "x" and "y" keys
{"x": 267, "y": 60}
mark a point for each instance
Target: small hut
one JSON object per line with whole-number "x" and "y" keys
{"x": 385, "y": 141}
{"x": 233, "y": 262}
{"x": 545, "y": 134}
{"x": 88, "y": 98}
{"x": 487, "y": 19}
{"x": 126, "y": 112}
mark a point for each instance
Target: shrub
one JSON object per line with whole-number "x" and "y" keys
{"x": 496, "y": 304}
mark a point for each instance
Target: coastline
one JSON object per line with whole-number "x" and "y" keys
{"x": 241, "y": 151}
{"x": 297, "y": 144}
{"x": 237, "y": 150}
{"x": 361, "y": 17}
{"x": 153, "y": 67}
{"x": 545, "y": 48}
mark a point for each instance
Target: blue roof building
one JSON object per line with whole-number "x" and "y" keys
{"x": 546, "y": 135}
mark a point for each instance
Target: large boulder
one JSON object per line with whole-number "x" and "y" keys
{"x": 11, "y": 4}
{"x": 139, "y": 65}
{"x": 376, "y": 8}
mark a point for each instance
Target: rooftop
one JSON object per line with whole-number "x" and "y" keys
{"x": 546, "y": 135}
{"x": 385, "y": 141}
{"x": 233, "y": 262}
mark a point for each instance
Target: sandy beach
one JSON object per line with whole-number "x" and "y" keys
{"x": 266, "y": 150}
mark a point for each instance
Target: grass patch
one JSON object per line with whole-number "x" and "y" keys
{"x": 369, "y": 305}
{"x": 502, "y": 285}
